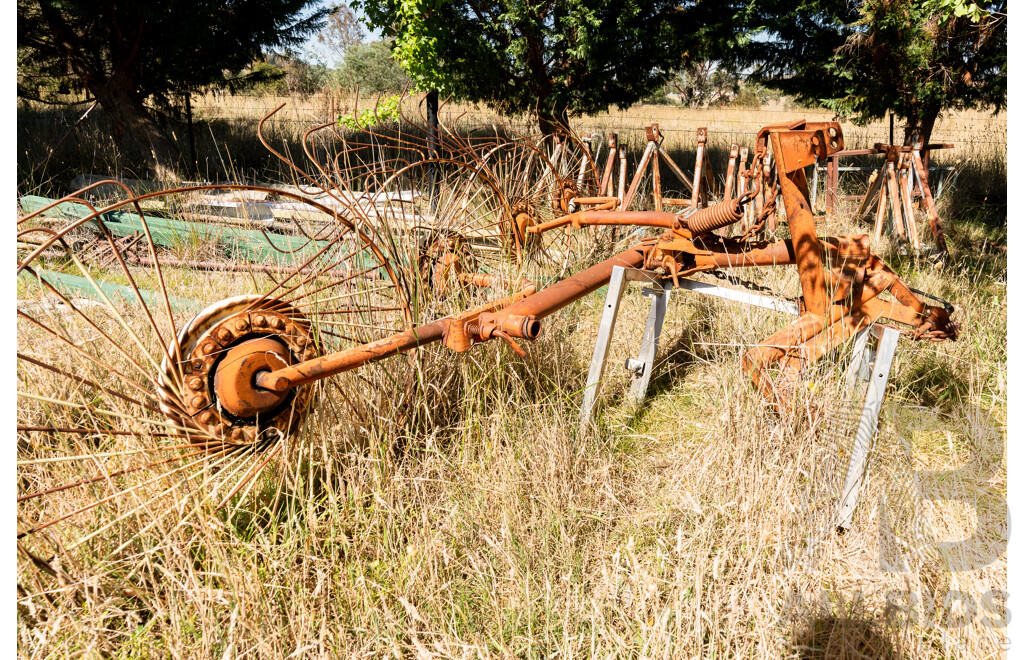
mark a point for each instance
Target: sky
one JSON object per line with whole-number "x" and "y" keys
{"x": 311, "y": 50}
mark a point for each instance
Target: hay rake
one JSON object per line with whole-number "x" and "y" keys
{"x": 148, "y": 374}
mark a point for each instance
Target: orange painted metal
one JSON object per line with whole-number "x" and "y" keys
{"x": 234, "y": 380}
{"x": 308, "y": 371}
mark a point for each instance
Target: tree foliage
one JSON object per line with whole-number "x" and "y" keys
{"x": 865, "y": 59}
{"x": 341, "y": 32}
{"x": 372, "y": 69}
{"x": 126, "y": 53}
{"x": 297, "y": 76}
{"x": 553, "y": 56}
{"x": 702, "y": 83}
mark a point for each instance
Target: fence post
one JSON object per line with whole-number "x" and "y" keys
{"x": 432, "y": 145}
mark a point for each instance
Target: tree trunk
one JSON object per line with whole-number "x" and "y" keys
{"x": 921, "y": 123}
{"x": 121, "y": 103}
{"x": 552, "y": 119}
{"x": 432, "y": 146}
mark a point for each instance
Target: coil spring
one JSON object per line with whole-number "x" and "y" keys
{"x": 715, "y": 217}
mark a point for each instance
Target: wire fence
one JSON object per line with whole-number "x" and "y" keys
{"x": 972, "y": 132}
{"x": 967, "y": 128}
{"x": 230, "y": 121}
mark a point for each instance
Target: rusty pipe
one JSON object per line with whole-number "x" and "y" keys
{"x": 636, "y": 218}
{"x": 564, "y": 293}
{"x": 731, "y": 254}
{"x": 325, "y": 366}
{"x": 594, "y": 200}
{"x": 523, "y": 314}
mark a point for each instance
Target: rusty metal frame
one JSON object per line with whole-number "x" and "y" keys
{"x": 245, "y": 406}
{"x": 842, "y": 283}
{"x": 836, "y": 302}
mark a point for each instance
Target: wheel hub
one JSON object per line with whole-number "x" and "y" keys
{"x": 223, "y": 349}
{"x": 444, "y": 259}
{"x": 524, "y": 216}
{"x": 234, "y": 380}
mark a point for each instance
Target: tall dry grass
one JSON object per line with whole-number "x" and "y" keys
{"x": 486, "y": 524}
{"x": 53, "y": 147}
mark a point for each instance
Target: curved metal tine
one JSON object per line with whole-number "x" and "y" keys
{"x": 85, "y": 381}
{"x": 338, "y": 181}
{"x": 297, "y": 197}
{"x": 100, "y": 501}
{"x": 380, "y": 136}
{"x": 160, "y": 279}
{"x": 234, "y": 464}
{"x": 120, "y": 473}
{"x": 72, "y": 345}
{"x": 456, "y": 142}
{"x": 337, "y": 289}
{"x": 143, "y": 367}
{"x": 250, "y": 478}
{"x": 287, "y": 161}
{"x": 224, "y": 458}
{"x": 74, "y": 197}
{"x": 92, "y": 409}
{"x": 97, "y": 289}
{"x": 225, "y": 450}
{"x": 422, "y": 127}
{"x": 164, "y": 193}
{"x": 312, "y": 158}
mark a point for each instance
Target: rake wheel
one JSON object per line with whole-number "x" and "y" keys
{"x": 138, "y": 341}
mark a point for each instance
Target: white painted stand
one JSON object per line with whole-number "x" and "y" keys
{"x": 879, "y": 379}
{"x": 621, "y": 277}
{"x": 639, "y": 369}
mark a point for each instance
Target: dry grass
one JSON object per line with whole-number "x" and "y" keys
{"x": 486, "y": 525}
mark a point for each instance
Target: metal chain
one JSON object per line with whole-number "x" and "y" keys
{"x": 756, "y": 172}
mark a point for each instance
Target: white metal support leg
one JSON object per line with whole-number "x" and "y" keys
{"x": 640, "y": 368}
{"x": 616, "y": 287}
{"x": 621, "y": 277}
{"x": 884, "y": 355}
{"x": 861, "y": 358}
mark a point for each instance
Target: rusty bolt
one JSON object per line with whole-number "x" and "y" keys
{"x": 196, "y": 384}
{"x": 300, "y": 341}
{"x": 224, "y": 334}
{"x": 206, "y": 417}
{"x": 277, "y": 323}
{"x": 209, "y": 348}
{"x": 197, "y": 401}
{"x": 241, "y": 325}
{"x": 237, "y": 434}
{"x": 258, "y": 320}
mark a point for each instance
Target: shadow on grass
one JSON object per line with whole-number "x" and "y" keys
{"x": 827, "y": 637}
{"x": 674, "y": 360}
